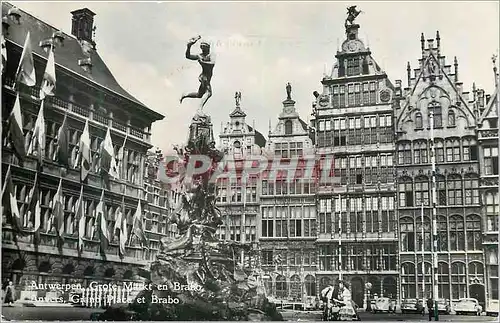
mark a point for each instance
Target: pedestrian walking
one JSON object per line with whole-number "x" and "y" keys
{"x": 430, "y": 307}
{"x": 9, "y": 294}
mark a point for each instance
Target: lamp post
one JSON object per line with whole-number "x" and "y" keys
{"x": 423, "y": 244}
{"x": 434, "y": 222}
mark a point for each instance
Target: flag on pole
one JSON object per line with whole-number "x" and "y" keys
{"x": 34, "y": 208}
{"x": 80, "y": 220}
{"x": 118, "y": 219}
{"x": 123, "y": 236}
{"x": 39, "y": 135}
{"x": 15, "y": 124}
{"x": 63, "y": 143}
{"x": 84, "y": 150}
{"x": 9, "y": 203}
{"x": 26, "y": 70}
{"x": 58, "y": 213}
{"x": 102, "y": 226}
{"x": 121, "y": 157}
{"x": 108, "y": 161}
{"x": 49, "y": 77}
{"x": 138, "y": 226}
{"x": 4, "y": 53}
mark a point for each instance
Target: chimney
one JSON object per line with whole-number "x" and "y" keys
{"x": 83, "y": 24}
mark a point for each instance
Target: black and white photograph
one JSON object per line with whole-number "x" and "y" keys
{"x": 250, "y": 161}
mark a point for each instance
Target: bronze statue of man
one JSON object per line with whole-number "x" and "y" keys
{"x": 207, "y": 62}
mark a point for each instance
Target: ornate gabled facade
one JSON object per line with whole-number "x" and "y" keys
{"x": 487, "y": 135}
{"x": 237, "y": 193}
{"x": 85, "y": 91}
{"x": 434, "y": 88}
{"x": 287, "y": 206}
{"x": 357, "y": 238}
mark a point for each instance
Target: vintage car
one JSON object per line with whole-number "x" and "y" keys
{"x": 468, "y": 306}
{"x": 412, "y": 305}
{"x": 492, "y": 307}
{"x": 384, "y": 304}
{"x": 444, "y": 306}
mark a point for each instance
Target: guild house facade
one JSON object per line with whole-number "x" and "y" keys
{"x": 85, "y": 91}
{"x": 288, "y": 211}
{"x": 356, "y": 233}
{"x": 465, "y": 136}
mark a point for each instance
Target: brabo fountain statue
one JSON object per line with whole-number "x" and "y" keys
{"x": 196, "y": 276}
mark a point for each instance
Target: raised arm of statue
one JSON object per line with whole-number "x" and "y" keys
{"x": 190, "y": 43}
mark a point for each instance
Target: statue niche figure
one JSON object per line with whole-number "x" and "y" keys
{"x": 207, "y": 62}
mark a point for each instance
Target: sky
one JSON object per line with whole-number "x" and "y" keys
{"x": 260, "y": 46}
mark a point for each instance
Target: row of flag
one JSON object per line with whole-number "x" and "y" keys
{"x": 56, "y": 219}
{"x": 26, "y": 74}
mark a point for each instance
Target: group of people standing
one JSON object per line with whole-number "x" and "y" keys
{"x": 339, "y": 305}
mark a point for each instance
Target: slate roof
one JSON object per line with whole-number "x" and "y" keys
{"x": 67, "y": 56}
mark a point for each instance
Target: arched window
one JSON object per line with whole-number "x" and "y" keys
{"x": 443, "y": 280}
{"x": 420, "y": 152}
{"x": 439, "y": 146}
{"x": 441, "y": 189}
{"x": 427, "y": 278}
{"x": 476, "y": 272}
{"x": 474, "y": 235}
{"x": 452, "y": 150}
{"x": 421, "y": 190}
{"x": 471, "y": 184}
{"x": 418, "y": 120}
{"x": 455, "y": 190}
{"x": 109, "y": 273}
{"x": 442, "y": 233}
{"x": 128, "y": 274}
{"x": 435, "y": 108}
{"x": 492, "y": 202}
{"x": 451, "y": 118}
{"x": 426, "y": 242}
{"x": 404, "y": 154}
{"x": 295, "y": 287}
{"x": 310, "y": 283}
{"x": 288, "y": 127}
{"x": 408, "y": 286}
{"x": 407, "y": 234}
{"x": 469, "y": 149}
{"x": 89, "y": 271}
{"x": 458, "y": 280}
{"x": 457, "y": 239}
{"x": 281, "y": 290}
{"x": 405, "y": 192}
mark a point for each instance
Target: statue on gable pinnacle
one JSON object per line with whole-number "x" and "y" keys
{"x": 352, "y": 13}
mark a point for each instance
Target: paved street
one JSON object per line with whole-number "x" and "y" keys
{"x": 384, "y": 317}
{"x": 76, "y": 313}
{"x": 48, "y": 313}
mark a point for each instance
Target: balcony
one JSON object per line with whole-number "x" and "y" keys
{"x": 491, "y": 134}
{"x": 75, "y": 110}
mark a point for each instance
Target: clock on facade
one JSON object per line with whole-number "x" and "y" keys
{"x": 288, "y": 109}
{"x": 237, "y": 144}
{"x": 385, "y": 95}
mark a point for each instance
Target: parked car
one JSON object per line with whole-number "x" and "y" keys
{"x": 468, "y": 306}
{"x": 492, "y": 307}
{"x": 384, "y": 304}
{"x": 444, "y": 306}
{"x": 412, "y": 305}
